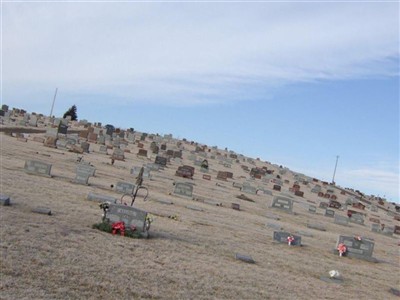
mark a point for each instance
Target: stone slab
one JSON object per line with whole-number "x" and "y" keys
{"x": 316, "y": 226}
{"x": 101, "y": 198}
{"x": 38, "y": 168}
{"x": 281, "y": 237}
{"x": 130, "y": 215}
{"x": 244, "y": 258}
{"x": 4, "y": 200}
{"x": 42, "y": 210}
{"x": 194, "y": 208}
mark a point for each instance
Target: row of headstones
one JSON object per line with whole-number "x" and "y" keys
{"x": 84, "y": 171}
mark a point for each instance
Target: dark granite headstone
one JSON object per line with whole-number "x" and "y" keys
{"x": 282, "y": 237}
{"x": 283, "y": 203}
{"x": 362, "y": 249}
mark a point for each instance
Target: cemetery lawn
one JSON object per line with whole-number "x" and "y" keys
{"x": 192, "y": 256}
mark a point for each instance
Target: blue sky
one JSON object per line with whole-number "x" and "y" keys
{"x": 293, "y": 83}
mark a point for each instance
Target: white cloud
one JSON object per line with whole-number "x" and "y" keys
{"x": 193, "y": 51}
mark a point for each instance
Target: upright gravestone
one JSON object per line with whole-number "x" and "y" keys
{"x": 161, "y": 160}
{"x": 312, "y": 209}
{"x": 282, "y": 237}
{"x": 329, "y": 213}
{"x": 33, "y": 120}
{"x": 135, "y": 171}
{"x": 341, "y": 220}
{"x": 124, "y": 187}
{"x": 131, "y": 216}
{"x": 184, "y": 189}
{"x": 83, "y": 172}
{"x": 118, "y": 154}
{"x": 362, "y": 249}
{"x": 283, "y": 203}
{"x": 388, "y": 231}
{"x": 357, "y": 218}
{"x": 249, "y": 189}
{"x": 37, "y": 167}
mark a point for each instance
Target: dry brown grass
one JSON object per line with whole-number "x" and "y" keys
{"x": 62, "y": 257}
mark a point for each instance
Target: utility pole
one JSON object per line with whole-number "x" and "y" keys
{"x": 52, "y": 106}
{"x": 334, "y": 172}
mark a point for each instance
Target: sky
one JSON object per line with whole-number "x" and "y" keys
{"x": 294, "y": 83}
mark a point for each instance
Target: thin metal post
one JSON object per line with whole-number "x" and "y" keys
{"x": 52, "y": 106}
{"x": 334, "y": 172}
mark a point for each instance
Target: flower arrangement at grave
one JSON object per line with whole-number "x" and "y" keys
{"x": 119, "y": 228}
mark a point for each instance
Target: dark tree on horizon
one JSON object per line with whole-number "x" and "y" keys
{"x": 71, "y": 112}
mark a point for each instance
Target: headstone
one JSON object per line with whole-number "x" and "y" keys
{"x": 153, "y": 166}
{"x": 101, "y": 198}
{"x": 237, "y": 185}
{"x": 37, "y": 167}
{"x": 131, "y": 216}
{"x": 118, "y": 154}
{"x": 357, "y": 218}
{"x": 374, "y": 208}
{"x": 42, "y": 210}
{"x": 51, "y": 132}
{"x": 276, "y": 187}
{"x": 222, "y": 175}
{"x": 235, "y": 206}
{"x": 329, "y": 213}
{"x": 387, "y": 230}
{"x": 161, "y": 160}
{"x": 316, "y": 226}
{"x": 124, "y": 187}
{"x": 184, "y": 189}
{"x": 83, "y": 172}
{"x": 206, "y": 177}
{"x": 4, "y": 200}
{"x": 274, "y": 226}
{"x": 341, "y": 220}
{"x": 33, "y": 121}
{"x": 194, "y": 208}
{"x": 142, "y": 152}
{"x": 249, "y": 189}
{"x": 63, "y": 129}
{"x": 103, "y": 149}
{"x": 323, "y": 205}
{"x": 282, "y": 237}
{"x": 312, "y": 209}
{"x": 362, "y": 249}
{"x": 283, "y": 203}
{"x": 244, "y": 258}
{"x": 376, "y": 228}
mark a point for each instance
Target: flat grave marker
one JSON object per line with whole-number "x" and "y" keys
{"x": 244, "y": 258}
{"x": 316, "y": 226}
